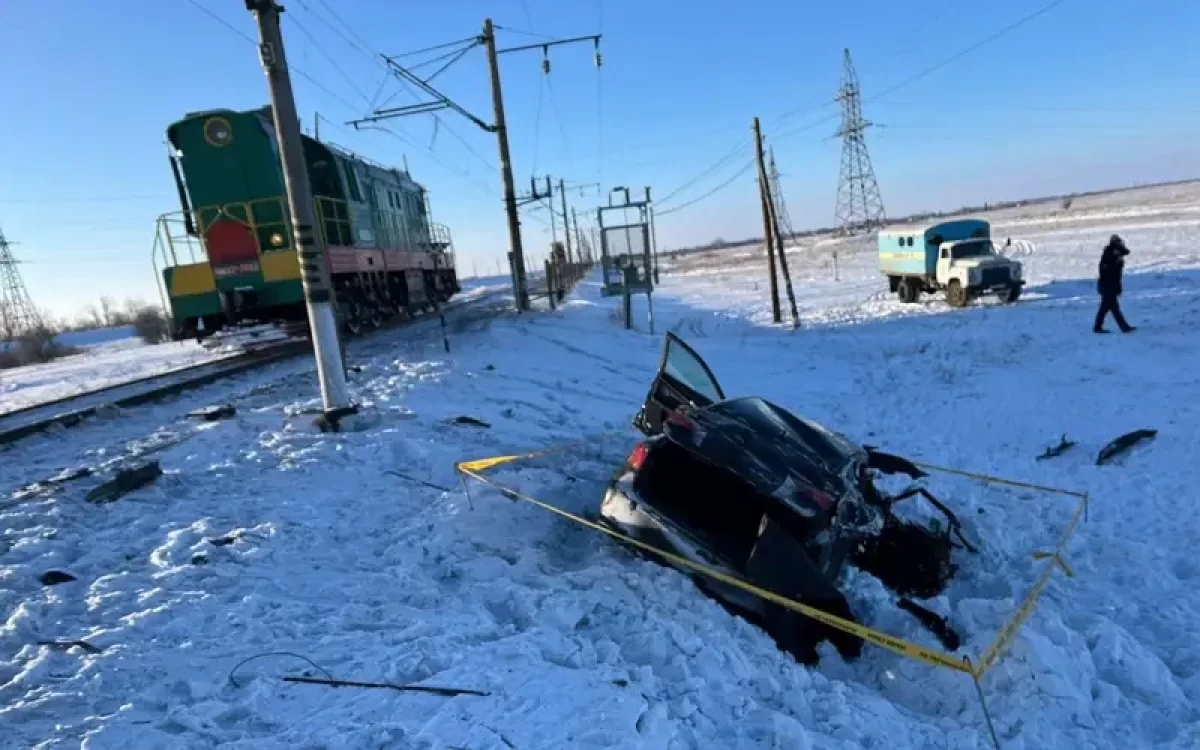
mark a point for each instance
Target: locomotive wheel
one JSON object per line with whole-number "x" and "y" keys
{"x": 352, "y": 320}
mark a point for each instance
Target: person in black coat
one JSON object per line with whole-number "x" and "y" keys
{"x": 1112, "y": 267}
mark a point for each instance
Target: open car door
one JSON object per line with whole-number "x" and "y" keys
{"x": 682, "y": 378}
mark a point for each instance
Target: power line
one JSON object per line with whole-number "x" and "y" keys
{"x": 291, "y": 66}
{"x": 733, "y": 152}
{"x": 97, "y": 199}
{"x": 511, "y": 30}
{"x": 907, "y": 82}
{"x": 339, "y": 98}
{"x": 436, "y": 47}
{"x": 714, "y": 191}
{"x": 321, "y": 48}
{"x": 958, "y": 55}
{"x": 599, "y": 99}
{"x": 537, "y": 131}
{"x": 362, "y": 46}
{"x": 562, "y": 130}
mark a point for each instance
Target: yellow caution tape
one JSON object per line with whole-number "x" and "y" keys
{"x": 892, "y": 643}
{"x": 1001, "y": 480}
{"x": 1009, "y": 629}
{"x": 898, "y": 645}
{"x": 483, "y": 464}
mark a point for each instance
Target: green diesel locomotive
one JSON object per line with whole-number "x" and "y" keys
{"x": 227, "y": 257}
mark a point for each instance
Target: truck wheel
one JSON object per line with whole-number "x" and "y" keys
{"x": 956, "y": 294}
{"x": 908, "y": 291}
{"x": 1010, "y": 294}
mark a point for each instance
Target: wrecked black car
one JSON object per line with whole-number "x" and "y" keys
{"x": 745, "y": 487}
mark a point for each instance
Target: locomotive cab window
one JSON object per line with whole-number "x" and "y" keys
{"x": 352, "y": 182}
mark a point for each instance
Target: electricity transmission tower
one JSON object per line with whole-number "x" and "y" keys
{"x": 859, "y": 204}
{"x": 785, "y": 221}
{"x": 17, "y": 313}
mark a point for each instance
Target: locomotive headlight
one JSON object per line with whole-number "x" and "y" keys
{"x": 218, "y": 132}
{"x": 276, "y": 240}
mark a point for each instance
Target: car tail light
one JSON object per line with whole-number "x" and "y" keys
{"x": 823, "y": 500}
{"x": 638, "y": 456}
{"x": 679, "y": 419}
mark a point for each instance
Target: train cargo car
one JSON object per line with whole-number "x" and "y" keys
{"x": 227, "y": 256}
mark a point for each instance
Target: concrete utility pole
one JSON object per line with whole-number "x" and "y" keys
{"x": 765, "y": 195}
{"x": 578, "y": 236}
{"x": 314, "y": 275}
{"x": 516, "y": 251}
{"x": 562, "y": 194}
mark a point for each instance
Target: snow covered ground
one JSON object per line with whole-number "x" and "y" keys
{"x": 114, "y": 355}
{"x": 96, "y": 366}
{"x": 320, "y": 552}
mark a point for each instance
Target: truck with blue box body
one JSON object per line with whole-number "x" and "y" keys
{"x": 957, "y": 257}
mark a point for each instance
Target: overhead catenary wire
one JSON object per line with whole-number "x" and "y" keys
{"x": 537, "y": 132}
{"x": 328, "y": 57}
{"x": 562, "y": 130}
{"x": 291, "y": 66}
{"x": 363, "y": 47}
{"x": 600, "y": 101}
{"x": 351, "y": 107}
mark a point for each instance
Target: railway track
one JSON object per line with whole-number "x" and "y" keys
{"x": 72, "y": 410}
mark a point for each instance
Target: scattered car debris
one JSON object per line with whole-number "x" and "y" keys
{"x": 66, "y": 475}
{"x": 1063, "y": 446}
{"x": 472, "y": 421}
{"x": 125, "y": 481}
{"x": 213, "y": 413}
{"x": 422, "y": 482}
{"x": 936, "y": 623}
{"x": 67, "y": 645}
{"x": 55, "y": 577}
{"x": 443, "y": 691}
{"x": 890, "y": 464}
{"x": 753, "y": 491}
{"x": 1122, "y": 444}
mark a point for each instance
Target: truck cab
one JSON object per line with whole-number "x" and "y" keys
{"x": 957, "y": 257}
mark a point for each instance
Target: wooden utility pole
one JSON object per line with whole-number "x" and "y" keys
{"x": 516, "y": 251}
{"x": 765, "y": 194}
{"x": 309, "y": 244}
{"x": 787, "y": 277}
{"x": 778, "y": 206}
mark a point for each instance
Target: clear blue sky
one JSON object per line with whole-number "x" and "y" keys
{"x": 1092, "y": 94}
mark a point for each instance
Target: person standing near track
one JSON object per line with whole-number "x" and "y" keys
{"x": 1112, "y": 269}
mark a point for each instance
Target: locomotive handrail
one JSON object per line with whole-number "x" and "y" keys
{"x": 333, "y": 220}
